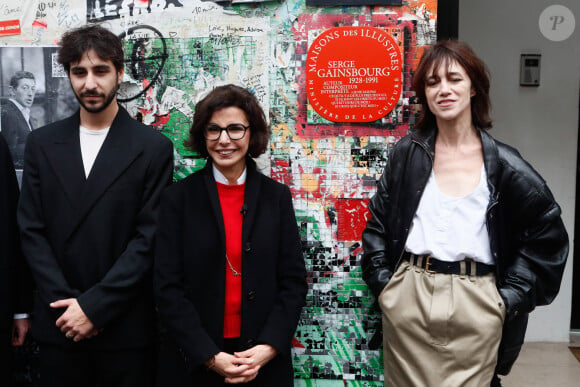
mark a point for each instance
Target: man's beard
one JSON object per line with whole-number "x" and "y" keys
{"x": 98, "y": 108}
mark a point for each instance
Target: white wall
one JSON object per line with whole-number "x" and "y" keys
{"x": 541, "y": 122}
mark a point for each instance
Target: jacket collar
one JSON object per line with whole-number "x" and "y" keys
{"x": 116, "y": 154}
{"x": 426, "y": 139}
{"x": 490, "y": 159}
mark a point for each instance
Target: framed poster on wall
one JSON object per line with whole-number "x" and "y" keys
{"x": 331, "y": 3}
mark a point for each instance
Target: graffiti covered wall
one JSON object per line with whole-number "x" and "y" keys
{"x": 176, "y": 50}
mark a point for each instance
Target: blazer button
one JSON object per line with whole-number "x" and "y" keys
{"x": 250, "y": 343}
{"x": 248, "y": 247}
{"x": 251, "y": 295}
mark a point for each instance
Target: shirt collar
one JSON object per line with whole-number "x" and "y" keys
{"x": 220, "y": 178}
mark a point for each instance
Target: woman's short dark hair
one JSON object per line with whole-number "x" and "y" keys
{"x": 444, "y": 53}
{"x": 223, "y": 97}
{"x": 76, "y": 42}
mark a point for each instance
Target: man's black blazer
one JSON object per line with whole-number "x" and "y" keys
{"x": 15, "y": 130}
{"x": 91, "y": 238}
{"x": 15, "y": 284}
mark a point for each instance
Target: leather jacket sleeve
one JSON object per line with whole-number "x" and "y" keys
{"x": 533, "y": 277}
{"x": 377, "y": 267}
{"x": 538, "y": 243}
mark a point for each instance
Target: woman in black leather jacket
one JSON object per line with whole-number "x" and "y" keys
{"x": 465, "y": 238}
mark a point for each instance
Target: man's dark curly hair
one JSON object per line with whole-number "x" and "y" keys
{"x": 76, "y": 42}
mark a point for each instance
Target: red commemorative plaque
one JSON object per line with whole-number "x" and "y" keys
{"x": 353, "y": 74}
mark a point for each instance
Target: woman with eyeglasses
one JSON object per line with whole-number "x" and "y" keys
{"x": 230, "y": 279}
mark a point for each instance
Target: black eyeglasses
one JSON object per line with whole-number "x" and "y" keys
{"x": 213, "y": 132}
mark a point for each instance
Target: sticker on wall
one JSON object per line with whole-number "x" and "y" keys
{"x": 353, "y": 74}
{"x": 10, "y": 16}
{"x": 9, "y": 27}
{"x": 557, "y": 23}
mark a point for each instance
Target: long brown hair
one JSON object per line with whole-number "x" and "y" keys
{"x": 443, "y": 53}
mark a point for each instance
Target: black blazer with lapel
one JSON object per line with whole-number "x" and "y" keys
{"x": 91, "y": 238}
{"x": 190, "y": 270}
{"x": 15, "y": 130}
{"x": 15, "y": 283}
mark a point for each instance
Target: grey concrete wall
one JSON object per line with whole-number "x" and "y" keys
{"x": 541, "y": 122}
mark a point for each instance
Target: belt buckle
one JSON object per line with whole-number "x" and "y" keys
{"x": 428, "y": 264}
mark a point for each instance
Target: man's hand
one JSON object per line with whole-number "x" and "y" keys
{"x": 20, "y": 328}
{"x": 74, "y": 323}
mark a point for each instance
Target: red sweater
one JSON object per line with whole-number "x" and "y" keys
{"x": 231, "y": 201}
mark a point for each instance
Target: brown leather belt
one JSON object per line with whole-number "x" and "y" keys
{"x": 434, "y": 265}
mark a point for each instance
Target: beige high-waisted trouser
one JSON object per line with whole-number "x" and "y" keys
{"x": 440, "y": 330}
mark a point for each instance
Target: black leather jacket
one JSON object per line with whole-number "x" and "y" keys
{"x": 527, "y": 237}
